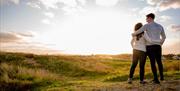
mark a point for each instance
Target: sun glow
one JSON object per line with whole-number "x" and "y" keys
{"x": 97, "y": 32}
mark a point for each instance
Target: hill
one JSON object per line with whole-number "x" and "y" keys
{"x": 29, "y": 72}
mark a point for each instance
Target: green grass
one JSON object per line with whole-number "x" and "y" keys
{"x": 20, "y": 72}
{"x": 67, "y": 68}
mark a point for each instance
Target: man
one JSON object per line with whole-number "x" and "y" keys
{"x": 154, "y": 51}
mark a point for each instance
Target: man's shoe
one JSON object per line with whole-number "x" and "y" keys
{"x": 129, "y": 80}
{"x": 162, "y": 79}
{"x": 143, "y": 82}
{"x": 151, "y": 81}
{"x": 156, "y": 81}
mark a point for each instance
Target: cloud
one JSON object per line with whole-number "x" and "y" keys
{"x": 54, "y": 3}
{"x": 15, "y": 1}
{"x": 153, "y": 2}
{"x": 135, "y": 9}
{"x": 82, "y": 2}
{"x": 34, "y": 4}
{"x": 7, "y": 37}
{"x": 106, "y": 2}
{"x": 2, "y": 2}
{"x": 16, "y": 42}
{"x": 165, "y": 4}
{"x": 28, "y": 48}
{"x": 46, "y": 21}
{"x": 172, "y": 48}
{"x": 174, "y": 27}
{"x": 68, "y": 6}
{"x": 141, "y": 0}
{"x": 50, "y": 3}
{"x": 164, "y": 18}
{"x": 27, "y": 34}
{"x": 148, "y": 9}
{"x": 49, "y": 14}
{"x": 73, "y": 10}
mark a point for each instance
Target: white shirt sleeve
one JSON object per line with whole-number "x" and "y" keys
{"x": 143, "y": 28}
{"x": 163, "y": 36}
{"x": 132, "y": 42}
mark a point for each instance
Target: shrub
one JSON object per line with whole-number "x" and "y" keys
{"x": 6, "y": 57}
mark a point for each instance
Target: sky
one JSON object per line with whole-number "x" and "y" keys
{"x": 83, "y": 26}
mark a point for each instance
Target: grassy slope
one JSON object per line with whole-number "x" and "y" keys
{"x": 22, "y": 72}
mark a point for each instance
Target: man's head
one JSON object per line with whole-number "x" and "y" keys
{"x": 150, "y": 17}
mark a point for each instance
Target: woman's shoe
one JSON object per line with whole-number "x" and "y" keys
{"x": 129, "y": 80}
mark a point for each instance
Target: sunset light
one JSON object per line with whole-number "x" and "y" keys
{"x": 79, "y": 27}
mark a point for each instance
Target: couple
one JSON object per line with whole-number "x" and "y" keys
{"x": 147, "y": 41}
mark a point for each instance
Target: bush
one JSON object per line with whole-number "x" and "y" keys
{"x": 6, "y": 57}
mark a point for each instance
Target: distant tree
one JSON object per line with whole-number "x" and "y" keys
{"x": 169, "y": 56}
{"x": 178, "y": 55}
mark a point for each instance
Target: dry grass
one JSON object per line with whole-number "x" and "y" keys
{"x": 11, "y": 72}
{"x": 171, "y": 65}
{"x": 22, "y": 72}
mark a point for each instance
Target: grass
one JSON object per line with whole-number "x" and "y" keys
{"x": 22, "y": 72}
{"x": 67, "y": 68}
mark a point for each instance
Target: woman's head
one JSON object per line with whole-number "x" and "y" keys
{"x": 137, "y": 26}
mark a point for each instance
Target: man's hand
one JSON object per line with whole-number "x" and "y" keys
{"x": 161, "y": 42}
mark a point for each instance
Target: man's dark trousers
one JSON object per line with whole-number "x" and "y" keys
{"x": 154, "y": 53}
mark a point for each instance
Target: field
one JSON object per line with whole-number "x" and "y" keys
{"x": 28, "y": 72}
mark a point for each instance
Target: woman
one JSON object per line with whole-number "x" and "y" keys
{"x": 138, "y": 44}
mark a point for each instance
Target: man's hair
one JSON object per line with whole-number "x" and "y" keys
{"x": 151, "y": 15}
